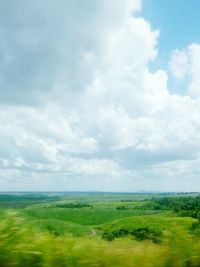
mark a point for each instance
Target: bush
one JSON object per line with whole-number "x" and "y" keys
{"x": 73, "y": 205}
{"x": 146, "y": 233}
{"x": 122, "y": 207}
{"x": 108, "y": 236}
{"x": 139, "y": 234}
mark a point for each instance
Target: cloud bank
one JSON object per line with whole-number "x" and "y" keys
{"x": 80, "y": 108}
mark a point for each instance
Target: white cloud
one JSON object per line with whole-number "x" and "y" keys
{"x": 186, "y": 64}
{"x": 179, "y": 64}
{"x": 80, "y": 108}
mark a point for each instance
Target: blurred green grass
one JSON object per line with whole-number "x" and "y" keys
{"x": 43, "y": 235}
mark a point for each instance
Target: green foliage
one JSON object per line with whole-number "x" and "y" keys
{"x": 184, "y": 206}
{"x": 83, "y": 216}
{"x": 19, "y": 200}
{"x": 139, "y": 234}
{"x": 195, "y": 229}
{"x": 108, "y": 236}
{"x": 142, "y": 206}
{"x": 144, "y": 232}
{"x": 147, "y": 233}
{"x": 73, "y": 205}
{"x": 122, "y": 207}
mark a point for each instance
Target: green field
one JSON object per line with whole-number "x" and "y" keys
{"x": 99, "y": 229}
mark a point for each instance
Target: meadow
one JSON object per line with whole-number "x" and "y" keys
{"x": 99, "y": 229}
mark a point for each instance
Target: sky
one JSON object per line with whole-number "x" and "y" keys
{"x": 99, "y": 95}
{"x": 179, "y": 24}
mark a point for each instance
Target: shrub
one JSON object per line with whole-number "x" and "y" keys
{"x": 146, "y": 233}
{"x": 139, "y": 234}
{"x": 108, "y": 236}
{"x": 73, "y": 205}
{"x": 122, "y": 207}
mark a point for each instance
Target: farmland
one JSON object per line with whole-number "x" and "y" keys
{"x": 99, "y": 229}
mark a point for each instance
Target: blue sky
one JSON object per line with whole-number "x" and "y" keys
{"x": 178, "y": 22}
{"x": 101, "y": 96}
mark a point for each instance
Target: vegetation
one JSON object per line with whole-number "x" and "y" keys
{"x": 73, "y": 205}
{"x": 104, "y": 230}
{"x": 184, "y": 206}
{"x": 140, "y": 233}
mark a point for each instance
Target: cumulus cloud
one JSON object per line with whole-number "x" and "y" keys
{"x": 79, "y": 107}
{"x": 185, "y": 64}
{"x": 49, "y": 44}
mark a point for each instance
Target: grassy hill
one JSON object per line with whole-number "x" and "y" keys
{"x": 95, "y": 230}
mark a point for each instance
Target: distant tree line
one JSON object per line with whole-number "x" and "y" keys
{"x": 184, "y": 206}
{"x": 73, "y": 205}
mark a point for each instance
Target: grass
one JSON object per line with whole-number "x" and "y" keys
{"x": 83, "y": 216}
{"x": 44, "y": 235}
